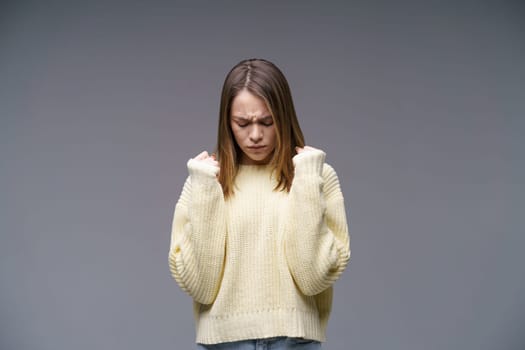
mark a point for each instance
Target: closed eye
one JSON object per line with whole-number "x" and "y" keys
{"x": 267, "y": 121}
{"x": 242, "y": 123}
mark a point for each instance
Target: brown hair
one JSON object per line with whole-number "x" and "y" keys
{"x": 263, "y": 79}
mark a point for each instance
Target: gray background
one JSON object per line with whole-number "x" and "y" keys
{"x": 418, "y": 105}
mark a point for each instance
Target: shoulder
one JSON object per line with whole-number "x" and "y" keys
{"x": 185, "y": 195}
{"x": 331, "y": 186}
{"x": 328, "y": 170}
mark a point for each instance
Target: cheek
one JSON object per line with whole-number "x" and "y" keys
{"x": 237, "y": 133}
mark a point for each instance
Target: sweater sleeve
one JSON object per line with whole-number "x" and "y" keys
{"x": 198, "y": 234}
{"x": 318, "y": 243}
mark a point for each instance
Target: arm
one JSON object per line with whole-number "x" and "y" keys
{"x": 198, "y": 234}
{"x": 317, "y": 243}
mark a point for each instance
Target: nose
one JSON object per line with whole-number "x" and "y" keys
{"x": 256, "y": 133}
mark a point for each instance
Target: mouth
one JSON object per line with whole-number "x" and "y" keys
{"x": 256, "y": 147}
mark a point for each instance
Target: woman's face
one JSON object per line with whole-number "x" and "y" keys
{"x": 253, "y": 128}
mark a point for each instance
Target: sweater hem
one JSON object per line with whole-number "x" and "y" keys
{"x": 259, "y": 324}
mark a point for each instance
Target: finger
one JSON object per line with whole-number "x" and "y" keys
{"x": 211, "y": 162}
{"x": 309, "y": 148}
{"x": 202, "y": 155}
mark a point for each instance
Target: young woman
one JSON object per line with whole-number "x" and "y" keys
{"x": 259, "y": 233}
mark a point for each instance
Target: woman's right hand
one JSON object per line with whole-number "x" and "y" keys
{"x": 208, "y": 159}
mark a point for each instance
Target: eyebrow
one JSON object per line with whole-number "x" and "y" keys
{"x": 248, "y": 119}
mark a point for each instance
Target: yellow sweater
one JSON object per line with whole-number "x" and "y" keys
{"x": 262, "y": 263}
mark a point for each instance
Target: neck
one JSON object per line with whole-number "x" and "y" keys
{"x": 245, "y": 160}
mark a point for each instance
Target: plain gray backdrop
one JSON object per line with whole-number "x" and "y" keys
{"x": 419, "y": 106}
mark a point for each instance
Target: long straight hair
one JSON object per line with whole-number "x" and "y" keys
{"x": 263, "y": 79}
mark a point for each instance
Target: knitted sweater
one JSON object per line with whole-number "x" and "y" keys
{"x": 262, "y": 263}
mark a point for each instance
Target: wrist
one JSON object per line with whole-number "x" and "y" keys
{"x": 309, "y": 162}
{"x": 200, "y": 170}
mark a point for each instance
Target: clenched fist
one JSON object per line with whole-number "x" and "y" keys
{"x": 305, "y": 149}
{"x": 208, "y": 159}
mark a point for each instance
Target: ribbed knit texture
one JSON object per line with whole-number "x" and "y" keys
{"x": 262, "y": 263}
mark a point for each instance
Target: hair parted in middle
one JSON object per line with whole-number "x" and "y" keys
{"x": 263, "y": 79}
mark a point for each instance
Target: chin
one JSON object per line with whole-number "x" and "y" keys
{"x": 257, "y": 157}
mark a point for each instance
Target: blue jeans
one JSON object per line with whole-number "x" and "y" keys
{"x": 276, "y": 343}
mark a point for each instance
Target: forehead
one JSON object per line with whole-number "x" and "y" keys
{"x": 246, "y": 104}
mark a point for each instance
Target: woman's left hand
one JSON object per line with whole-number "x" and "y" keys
{"x": 305, "y": 149}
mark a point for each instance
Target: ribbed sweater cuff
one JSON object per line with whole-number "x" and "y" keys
{"x": 309, "y": 162}
{"x": 202, "y": 171}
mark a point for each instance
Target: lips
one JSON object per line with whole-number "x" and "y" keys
{"x": 256, "y": 147}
